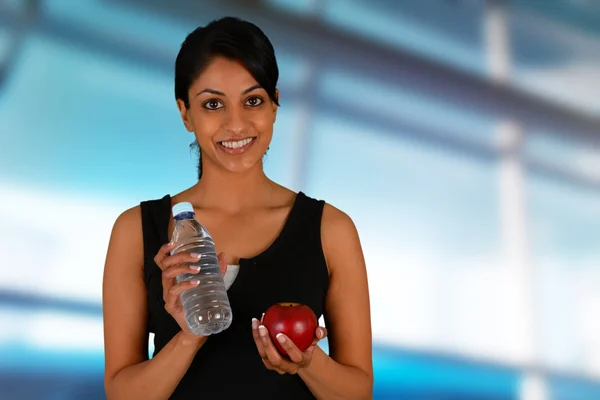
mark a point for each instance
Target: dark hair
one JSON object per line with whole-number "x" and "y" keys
{"x": 231, "y": 38}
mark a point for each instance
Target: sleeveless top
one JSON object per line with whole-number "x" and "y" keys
{"x": 291, "y": 269}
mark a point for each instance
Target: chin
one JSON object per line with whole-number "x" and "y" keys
{"x": 241, "y": 167}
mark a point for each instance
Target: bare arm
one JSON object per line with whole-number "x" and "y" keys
{"x": 128, "y": 372}
{"x": 348, "y": 372}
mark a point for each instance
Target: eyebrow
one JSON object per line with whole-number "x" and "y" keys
{"x": 213, "y": 91}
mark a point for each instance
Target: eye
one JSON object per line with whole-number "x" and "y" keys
{"x": 213, "y": 104}
{"x": 254, "y": 101}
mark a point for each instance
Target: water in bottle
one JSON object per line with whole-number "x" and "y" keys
{"x": 206, "y": 306}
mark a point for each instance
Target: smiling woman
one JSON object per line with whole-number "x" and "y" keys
{"x": 240, "y": 73}
{"x": 285, "y": 247}
{"x": 227, "y": 120}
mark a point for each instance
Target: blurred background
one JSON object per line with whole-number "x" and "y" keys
{"x": 462, "y": 136}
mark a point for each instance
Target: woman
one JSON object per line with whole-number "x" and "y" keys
{"x": 289, "y": 248}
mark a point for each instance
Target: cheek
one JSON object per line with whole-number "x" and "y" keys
{"x": 205, "y": 125}
{"x": 264, "y": 123}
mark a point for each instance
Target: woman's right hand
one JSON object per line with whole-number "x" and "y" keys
{"x": 173, "y": 266}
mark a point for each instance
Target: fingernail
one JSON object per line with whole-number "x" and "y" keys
{"x": 195, "y": 255}
{"x": 254, "y": 323}
{"x": 280, "y": 338}
{"x": 195, "y": 267}
{"x": 262, "y": 330}
{"x": 195, "y": 282}
{"x": 262, "y": 316}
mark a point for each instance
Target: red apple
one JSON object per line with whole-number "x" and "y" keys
{"x": 297, "y": 321}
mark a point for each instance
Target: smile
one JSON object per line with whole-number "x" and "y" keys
{"x": 236, "y": 146}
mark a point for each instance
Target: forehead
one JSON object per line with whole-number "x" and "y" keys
{"x": 223, "y": 74}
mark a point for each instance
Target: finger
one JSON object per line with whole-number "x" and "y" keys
{"x": 170, "y": 273}
{"x": 257, "y": 341}
{"x": 179, "y": 258}
{"x": 223, "y": 262}
{"x": 172, "y": 298}
{"x": 271, "y": 352}
{"x": 321, "y": 333}
{"x": 179, "y": 269}
{"x": 163, "y": 252}
{"x": 293, "y": 351}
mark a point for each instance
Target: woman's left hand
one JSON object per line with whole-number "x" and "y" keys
{"x": 275, "y": 361}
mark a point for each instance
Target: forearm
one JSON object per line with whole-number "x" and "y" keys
{"x": 158, "y": 377}
{"x": 329, "y": 380}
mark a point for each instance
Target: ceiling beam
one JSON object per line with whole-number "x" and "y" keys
{"x": 351, "y": 52}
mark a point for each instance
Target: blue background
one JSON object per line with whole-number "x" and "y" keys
{"x": 389, "y": 112}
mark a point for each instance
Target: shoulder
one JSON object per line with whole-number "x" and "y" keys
{"x": 128, "y": 225}
{"x": 336, "y": 221}
{"x": 129, "y": 217}
{"x": 336, "y": 225}
{"x": 125, "y": 254}
{"x": 339, "y": 237}
{"x": 130, "y": 221}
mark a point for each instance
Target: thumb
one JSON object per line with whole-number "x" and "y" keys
{"x": 222, "y": 262}
{"x": 321, "y": 333}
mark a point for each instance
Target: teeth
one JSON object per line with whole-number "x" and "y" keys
{"x": 236, "y": 144}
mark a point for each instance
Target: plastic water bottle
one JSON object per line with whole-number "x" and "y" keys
{"x": 206, "y": 306}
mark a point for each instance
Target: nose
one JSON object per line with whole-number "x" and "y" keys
{"x": 235, "y": 121}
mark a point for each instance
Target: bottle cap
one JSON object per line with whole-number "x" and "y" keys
{"x": 182, "y": 207}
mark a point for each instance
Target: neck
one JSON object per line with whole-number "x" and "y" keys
{"x": 233, "y": 192}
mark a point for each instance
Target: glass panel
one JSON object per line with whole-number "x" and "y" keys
{"x": 138, "y": 26}
{"x": 296, "y": 6}
{"x": 71, "y": 110}
{"x": 377, "y": 99}
{"x": 294, "y": 73}
{"x": 37, "y": 342}
{"x": 564, "y": 153}
{"x": 555, "y": 61}
{"x": 429, "y": 225}
{"x": 571, "y": 388}
{"x": 565, "y": 231}
{"x": 280, "y": 160}
{"x": 449, "y": 32}
{"x": 17, "y": 6}
{"x": 7, "y": 40}
{"x": 69, "y": 254}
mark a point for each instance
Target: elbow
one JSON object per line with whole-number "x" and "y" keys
{"x": 363, "y": 382}
{"x": 110, "y": 386}
{"x": 114, "y": 393}
{"x": 108, "y": 392}
{"x": 367, "y": 386}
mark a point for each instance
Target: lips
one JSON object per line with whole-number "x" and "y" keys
{"x": 236, "y": 146}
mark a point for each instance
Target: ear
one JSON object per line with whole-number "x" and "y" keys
{"x": 275, "y": 106}
{"x": 185, "y": 115}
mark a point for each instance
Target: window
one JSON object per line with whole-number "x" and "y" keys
{"x": 431, "y": 241}
{"x": 554, "y": 61}
{"x": 565, "y": 227}
{"x": 448, "y": 32}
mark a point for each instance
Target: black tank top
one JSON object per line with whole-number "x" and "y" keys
{"x": 292, "y": 269}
